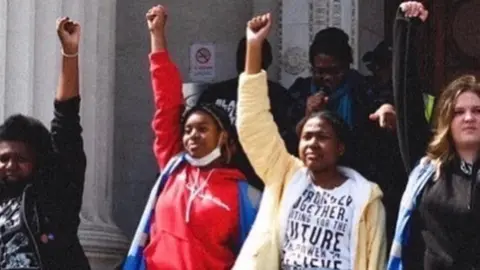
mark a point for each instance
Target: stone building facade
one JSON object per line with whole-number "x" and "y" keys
{"x": 116, "y": 95}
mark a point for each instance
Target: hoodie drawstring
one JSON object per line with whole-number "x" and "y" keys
{"x": 195, "y": 190}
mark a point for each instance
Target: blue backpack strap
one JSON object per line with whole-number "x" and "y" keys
{"x": 135, "y": 259}
{"x": 169, "y": 168}
{"x": 249, "y": 201}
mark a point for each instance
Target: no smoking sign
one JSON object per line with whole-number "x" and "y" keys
{"x": 202, "y": 62}
{"x": 203, "y": 55}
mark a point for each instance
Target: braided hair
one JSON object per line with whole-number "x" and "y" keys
{"x": 221, "y": 119}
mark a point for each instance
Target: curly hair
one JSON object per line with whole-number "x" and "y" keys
{"x": 30, "y": 131}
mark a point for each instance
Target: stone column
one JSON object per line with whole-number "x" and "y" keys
{"x": 301, "y": 20}
{"x": 29, "y": 67}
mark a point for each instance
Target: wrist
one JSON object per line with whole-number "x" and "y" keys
{"x": 255, "y": 44}
{"x": 157, "y": 34}
{"x": 158, "y": 45}
{"x": 69, "y": 50}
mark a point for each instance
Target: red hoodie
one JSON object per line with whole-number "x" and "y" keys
{"x": 196, "y": 220}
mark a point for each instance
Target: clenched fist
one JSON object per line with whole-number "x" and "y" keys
{"x": 156, "y": 19}
{"x": 414, "y": 9}
{"x": 69, "y": 34}
{"x": 258, "y": 29}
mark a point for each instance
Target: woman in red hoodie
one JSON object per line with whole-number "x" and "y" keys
{"x": 198, "y": 219}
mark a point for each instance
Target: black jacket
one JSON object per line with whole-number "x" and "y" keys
{"x": 54, "y": 197}
{"x": 413, "y": 130}
{"x": 444, "y": 232}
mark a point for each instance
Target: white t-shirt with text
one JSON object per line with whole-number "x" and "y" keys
{"x": 319, "y": 229}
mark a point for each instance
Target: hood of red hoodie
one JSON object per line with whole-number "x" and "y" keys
{"x": 223, "y": 173}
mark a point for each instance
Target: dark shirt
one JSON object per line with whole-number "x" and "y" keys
{"x": 18, "y": 251}
{"x": 52, "y": 200}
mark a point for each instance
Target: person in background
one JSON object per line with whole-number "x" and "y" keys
{"x": 314, "y": 214}
{"x": 224, "y": 94}
{"x": 42, "y": 174}
{"x": 201, "y": 208}
{"x": 379, "y": 62}
{"x": 336, "y": 87}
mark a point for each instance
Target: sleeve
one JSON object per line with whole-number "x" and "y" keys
{"x": 297, "y": 109}
{"x": 377, "y": 247}
{"x": 413, "y": 129}
{"x": 258, "y": 133}
{"x": 70, "y": 159}
{"x": 167, "y": 94}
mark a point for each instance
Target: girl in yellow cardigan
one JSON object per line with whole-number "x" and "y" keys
{"x": 314, "y": 214}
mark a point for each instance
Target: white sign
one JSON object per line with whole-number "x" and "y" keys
{"x": 202, "y": 62}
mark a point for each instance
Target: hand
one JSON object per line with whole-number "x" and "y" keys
{"x": 258, "y": 29}
{"x": 386, "y": 117}
{"x": 156, "y": 19}
{"x": 69, "y": 34}
{"x": 316, "y": 103}
{"x": 414, "y": 9}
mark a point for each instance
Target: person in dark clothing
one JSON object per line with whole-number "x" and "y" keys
{"x": 379, "y": 62}
{"x": 224, "y": 94}
{"x": 334, "y": 86}
{"x": 42, "y": 174}
{"x": 439, "y": 219}
{"x": 387, "y": 153}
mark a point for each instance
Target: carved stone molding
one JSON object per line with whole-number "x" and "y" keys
{"x": 301, "y": 20}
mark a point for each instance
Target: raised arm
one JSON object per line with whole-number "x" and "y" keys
{"x": 412, "y": 127}
{"x": 257, "y": 131}
{"x": 167, "y": 91}
{"x": 65, "y": 127}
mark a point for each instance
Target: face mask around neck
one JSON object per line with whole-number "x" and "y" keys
{"x": 206, "y": 160}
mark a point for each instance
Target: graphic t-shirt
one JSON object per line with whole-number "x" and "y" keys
{"x": 319, "y": 229}
{"x": 16, "y": 250}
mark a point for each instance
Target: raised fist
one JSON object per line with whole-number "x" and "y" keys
{"x": 258, "y": 29}
{"x": 69, "y": 34}
{"x": 156, "y": 18}
{"x": 414, "y": 9}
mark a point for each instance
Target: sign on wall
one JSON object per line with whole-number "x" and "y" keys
{"x": 202, "y": 62}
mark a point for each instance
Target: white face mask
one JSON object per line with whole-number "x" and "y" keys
{"x": 206, "y": 160}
